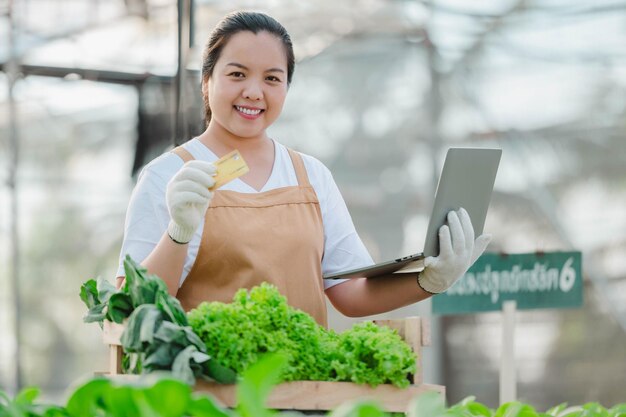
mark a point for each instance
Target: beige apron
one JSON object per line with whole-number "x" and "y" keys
{"x": 275, "y": 236}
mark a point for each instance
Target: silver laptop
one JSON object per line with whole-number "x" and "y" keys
{"x": 466, "y": 181}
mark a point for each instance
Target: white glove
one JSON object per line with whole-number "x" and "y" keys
{"x": 456, "y": 253}
{"x": 188, "y": 198}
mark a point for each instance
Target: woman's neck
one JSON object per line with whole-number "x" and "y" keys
{"x": 258, "y": 152}
{"x": 221, "y": 141}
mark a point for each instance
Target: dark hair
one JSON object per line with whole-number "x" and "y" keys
{"x": 232, "y": 24}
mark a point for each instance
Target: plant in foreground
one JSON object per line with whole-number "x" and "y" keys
{"x": 160, "y": 395}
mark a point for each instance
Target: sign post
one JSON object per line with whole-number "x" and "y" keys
{"x": 508, "y": 282}
{"x": 508, "y": 377}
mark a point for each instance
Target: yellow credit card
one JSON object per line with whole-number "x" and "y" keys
{"x": 229, "y": 167}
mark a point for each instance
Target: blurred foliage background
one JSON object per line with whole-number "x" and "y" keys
{"x": 91, "y": 90}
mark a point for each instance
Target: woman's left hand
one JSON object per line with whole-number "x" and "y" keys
{"x": 457, "y": 252}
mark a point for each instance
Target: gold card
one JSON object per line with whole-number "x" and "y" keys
{"x": 229, "y": 167}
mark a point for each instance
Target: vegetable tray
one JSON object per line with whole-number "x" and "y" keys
{"x": 313, "y": 395}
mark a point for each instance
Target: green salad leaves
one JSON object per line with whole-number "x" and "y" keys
{"x": 260, "y": 321}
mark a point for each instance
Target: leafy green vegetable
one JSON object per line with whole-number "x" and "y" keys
{"x": 84, "y": 400}
{"x": 260, "y": 321}
{"x": 96, "y": 294}
{"x": 557, "y": 409}
{"x": 106, "y": 303}
{"x": 157, "y": 395}
{"x": 205, "y": 407}
{"x": 595, "y": 410}
{"x": 256, "y": 385}
{"x": 142, "y": 287}
{"x": 103, "y": 397}
{"x": 23, "y": 405}
{"x": 187, "y": 363}
{"x": 618, "y": 411}
{"x": 468, "y": 407}
{"x": 120, "y": 306}
{"x": 140, "y": 328}
{"x": 171, "y": 307}
{"x": 515, "y": 409}
{"x": 157, "y": 336}
{"x": 89, "y": 293}
{"x": 236, "y": 334}
{"x": 373, "y": 354}
{"x": 430, "y": 404}
{"x": 358, "y": 409}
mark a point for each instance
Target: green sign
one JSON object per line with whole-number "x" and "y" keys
{"x": 533, "y": 280}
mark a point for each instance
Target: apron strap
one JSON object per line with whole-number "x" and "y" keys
{"x": 298, "y": 165}
{"x": 183, "y": 153}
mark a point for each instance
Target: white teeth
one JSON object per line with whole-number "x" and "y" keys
{"x": 248, "y": 111}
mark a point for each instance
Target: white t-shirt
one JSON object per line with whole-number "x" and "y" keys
{"x": 147, "y": 216}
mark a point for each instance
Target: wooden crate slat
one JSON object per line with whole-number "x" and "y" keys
{"x": 321, "y": 395}
{"x": 112, "y": 333}
{"x": 413, "y": 336}
{"x": 426, "y": 338}
{"x": 316, "y": 395}
{"x": 115, "y": 359}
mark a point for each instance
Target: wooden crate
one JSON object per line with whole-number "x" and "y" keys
{"x": 313, "y": 395}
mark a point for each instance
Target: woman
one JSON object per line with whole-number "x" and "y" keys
{"x": 284, "y": 221}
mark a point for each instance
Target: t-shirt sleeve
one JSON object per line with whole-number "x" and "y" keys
{"x": 343, "y": 248}
{"x": 147, "y": 216}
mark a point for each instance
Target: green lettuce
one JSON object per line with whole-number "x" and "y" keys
{"x": 260, "y": 321}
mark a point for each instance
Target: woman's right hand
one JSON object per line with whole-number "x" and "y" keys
{"x": 458, "y": 251}
{"x": 188, "y": 197}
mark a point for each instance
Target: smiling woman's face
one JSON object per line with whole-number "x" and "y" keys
{"x": 248, "y": 86}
